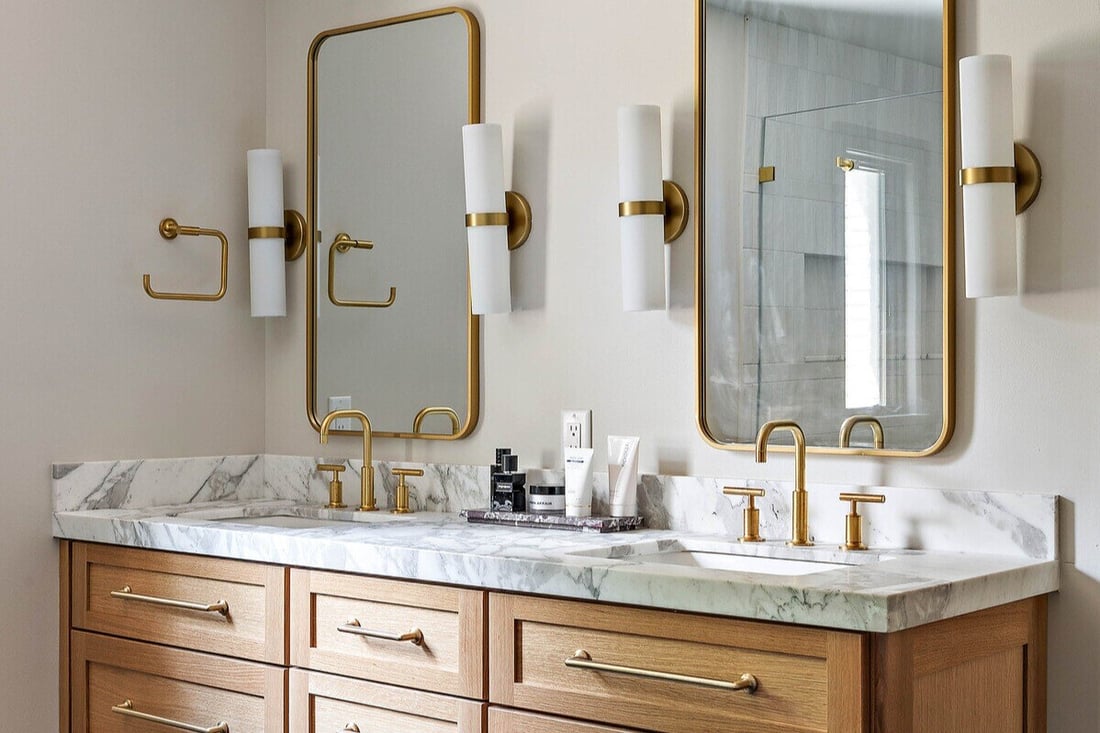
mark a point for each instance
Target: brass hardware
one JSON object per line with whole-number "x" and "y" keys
{"x": 344, "y": 243}
{"x": 1029, "y": 176}
{"x": 750, "y": 524}
{"x": 312, "y": 237}
{"x": 170, "y": 229}
{"x": 641, "y": 208}
{"x": 800, "y": 521}
{"x": 498, "y": 219}
{"x": 351, "y": 728}
{"x": 853, "y": 528}
{"x": 582, "y": 660}
{"x": 401, "y": 498}
{"x": 845, "y": 164}
{"x": 292, "y": 233}
{"x": 766, "y": 174}
{"x": 518, "y": 209}
{"x": 366, "y": 476}
{"x": 1026, "y": 172}
{"x": 987, "y": 174}
{"x": 673, "y": 207}
{"x": 449, "y": 412}
{"x": 850, "y": 423}
{"x": 676, "y": 210}
{"x": 126, "y": 707}
{"x": 415, "y": 636}
{"x": 335, "y": 486}
{"x": 127, "y": 594}
{"x": 516, "y": 216}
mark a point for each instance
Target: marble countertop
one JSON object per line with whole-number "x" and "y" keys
{"x": 876, "y": 591}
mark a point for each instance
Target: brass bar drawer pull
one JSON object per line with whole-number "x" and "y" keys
{"x": 127, "y": 709}
{"x": 416, "y": 636}
{"x": 582, "y": 660}
{"x": 126, "y": 593}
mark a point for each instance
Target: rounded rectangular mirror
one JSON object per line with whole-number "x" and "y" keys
{"x": 824, "y": 242}
{"x": 389, "y": 329}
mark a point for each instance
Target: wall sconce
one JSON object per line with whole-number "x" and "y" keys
{"x": 497, "y": 221}
{"x": 274, "y": 233}
{"x": 1000, "y": 178}
{"x": 652, "y": 212}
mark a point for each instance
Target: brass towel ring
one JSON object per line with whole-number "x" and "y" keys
{"x": 170, "y": 229}
{"x": 344, "y": 243}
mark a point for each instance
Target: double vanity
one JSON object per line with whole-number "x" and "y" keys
{"x": 273, "y": 613}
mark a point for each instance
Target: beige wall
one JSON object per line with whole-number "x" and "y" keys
{"x": 106, "y": 126}
{"x": 114, "y": 114}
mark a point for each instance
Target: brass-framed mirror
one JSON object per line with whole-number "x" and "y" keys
{"x": 388, "y": 323}
{"x": 825, "y": 222}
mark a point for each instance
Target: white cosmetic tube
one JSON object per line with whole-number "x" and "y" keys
{"x": 622, "y": 475}
{"x": 578, "y": 482}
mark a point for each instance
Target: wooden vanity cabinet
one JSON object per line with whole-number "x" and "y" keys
{"x": 277, "y": 662}
{"x": 980, "y": 673}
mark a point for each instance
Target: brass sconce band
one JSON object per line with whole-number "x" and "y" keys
{"x": 641, "y": 208}
{"x": 266, "y": 232}
{"x": 987, "y": 174}
{"x": 292, "y": 233}
{"x": 1026, "y": 174}
{"x": 673, "y": 207}
{"x": 495, "y": 219}
{"x": 516, "y": 216}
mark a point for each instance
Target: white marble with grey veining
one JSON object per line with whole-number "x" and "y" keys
{"x": 963, "y": 550}
{"x": 953, "y": 521}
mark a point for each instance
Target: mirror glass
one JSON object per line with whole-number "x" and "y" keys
{"x": 389, "y": 327}
{"x": 825, "y": 265}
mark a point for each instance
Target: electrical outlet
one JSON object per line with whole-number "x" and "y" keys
{"x": 342, "y": 402}
{"x": 576, "y": 429}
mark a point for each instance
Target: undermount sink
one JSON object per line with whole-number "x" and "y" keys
{"x": 733, "y": 557}
{"x": 294, "y": 521}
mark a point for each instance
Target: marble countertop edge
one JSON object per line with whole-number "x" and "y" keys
{"x": 912, "y": 589}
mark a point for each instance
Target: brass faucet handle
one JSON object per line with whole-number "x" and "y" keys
{"x": 335, "y": 486}
{"x": 853, "y": 527}
{"x": 750, "y": 516}
{"x": 401, "y": 498}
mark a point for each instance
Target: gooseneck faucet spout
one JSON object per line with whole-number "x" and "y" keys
{"x": 366, "y": 476}
{"x": 800, "y": 521}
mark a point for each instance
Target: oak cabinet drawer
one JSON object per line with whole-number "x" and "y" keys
{"x": 207, "y": 604}
{"x": 324, "y": 703}
{"x": 409, "y": 634}
{"x": 120, "y": 686}
{"x": 518, "y": 721}
{"x": 806, "y": 679}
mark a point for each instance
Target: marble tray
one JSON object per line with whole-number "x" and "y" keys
{"x": 552, "y": 521}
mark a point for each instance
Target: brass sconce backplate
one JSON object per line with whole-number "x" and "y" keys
{"x": 1029, "y": 177}
{"x": 676, "y": 210}
{"x": 519, "y": 219}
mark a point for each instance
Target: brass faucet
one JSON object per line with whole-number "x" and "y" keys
{"x": 848, "y": 425}
{"x": 366, "y": 476}
{"x": 800, "y": 521}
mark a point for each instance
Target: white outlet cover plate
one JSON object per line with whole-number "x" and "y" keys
{"x": 574, "y": 417}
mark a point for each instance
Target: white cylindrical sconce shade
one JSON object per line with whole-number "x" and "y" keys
{"x": 642, "y": 236}
{"x": 266, "y": 255}
{"x": 487, "y": 243}
{"x": 989, "y": 209}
